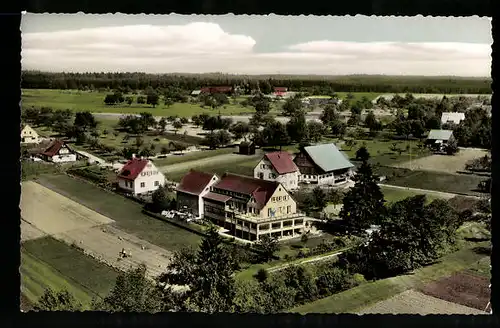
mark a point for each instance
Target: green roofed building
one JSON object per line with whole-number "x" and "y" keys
{"x": 323, "y": 164}
{"x": 438, "y": 139}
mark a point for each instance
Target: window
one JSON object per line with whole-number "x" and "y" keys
{"x": 270, "y": 176}
{"x": 289, "y": 209}
{"x": 157, "y": 183}
{"x": 279, "y": 198}
{"x": 273, "y": 199}
{"x": 143, "y": 184}
{"x": 262, "y": 166}
{"x": 284, "y": 198}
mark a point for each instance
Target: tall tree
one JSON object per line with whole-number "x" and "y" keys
{"x": 292, "y": 106}
{"x": 315, "y": 130}
{"x": 177, "y": 126}
{"x": 296, "y": 127}
{"x": 85, "y": 121}
{"x": 329, "y": 114}
{"x": 364, "y": 203}
{"x": 267, "y": 245}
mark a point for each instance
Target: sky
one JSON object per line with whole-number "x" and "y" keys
{"x": 249, "y": 44}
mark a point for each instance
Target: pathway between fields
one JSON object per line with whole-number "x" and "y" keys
{"x": 316, "y": 259}
{"x": 204, "y": 162}
{"x": 429, "y": 192}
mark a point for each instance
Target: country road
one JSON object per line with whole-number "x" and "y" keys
{"x": 427, "y": 191}
{"x": 316, "y": 259}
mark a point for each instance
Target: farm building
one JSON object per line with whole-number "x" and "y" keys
{"x": 323, "y": 164}
{"x": 278, "y": 166}
{"x": 247, "y": 148}
{"x": 452, "y": 117}
{"x": 190, "y": 191}
{"x": 140, "y": 176}
{"x": 28, "y": 135}
{"x": 279, "y": 91}
{"x": 219, "y": 89}
{"x": 58, "y": 152}
{"x": 437, "y": 139}
{"x": 249, "y": 208}
{"x": 195, "y": 93}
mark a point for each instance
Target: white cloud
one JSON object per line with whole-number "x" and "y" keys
{"x": 206, "y": 47}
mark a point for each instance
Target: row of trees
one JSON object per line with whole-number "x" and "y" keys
{"x": 313, "y": 84}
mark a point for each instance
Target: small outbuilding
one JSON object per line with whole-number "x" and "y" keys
{"x": 246, "y": 148}
{"x": 438, "y": 139}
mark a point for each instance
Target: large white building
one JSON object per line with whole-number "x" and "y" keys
{"x": 140, "y": 176}
{"x": 278, "y": 166}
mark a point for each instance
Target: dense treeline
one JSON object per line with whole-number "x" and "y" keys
{"x": 313, "y": 83}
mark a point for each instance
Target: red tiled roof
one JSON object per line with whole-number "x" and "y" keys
{"x": 261, "y": 190}
{"x": 217, "y": 197}
{"x": 282, "y": 162}
{"x": 194, "y": 182}
{"x": 280, "y": 89}
{"x": 54, "y": 148}
{"x": 132, "y": 169}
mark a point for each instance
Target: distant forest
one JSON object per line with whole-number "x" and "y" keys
{"x": 313, "y": 84}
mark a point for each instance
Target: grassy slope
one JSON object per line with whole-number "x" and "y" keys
{"x": 47, "y": 262}
{"x": 194, "y": 156}
{"x": 393, "y": 194}
{"x": 369, "y": 293}
{"x": 125, "y": 212}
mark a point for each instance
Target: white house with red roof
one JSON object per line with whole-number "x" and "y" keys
{"x": 278, "y": 166}
{"x": 190, "y": 191}
{"x": 140, "y": 176}
{"x": 58, "y": 152}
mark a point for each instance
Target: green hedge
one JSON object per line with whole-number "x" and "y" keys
{"x": 88, "y": 175}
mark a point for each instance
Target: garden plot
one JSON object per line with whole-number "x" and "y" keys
{"x": 461, "y": 288}
{"x": 105, "y": 243}
{"x": 413, "y": 302}
{"x": 444, "y": 163}
{"x": 29, "y": 231}
{"x": 52, "y": 213}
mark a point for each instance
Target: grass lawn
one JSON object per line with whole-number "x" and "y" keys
{"x": 358, "y": 95}
{"x": 369, "y": 293}
{"x": 243, "y": 166}
{"x": 94, "y": 101}
{"x": 482, "y": 267}
{"x": 125, "y": 212}
{"x": 47, "y": 262}
{"x": 193, "y": 156}
{"x": 438, "y": 181}
{"x": 392, "y": 195}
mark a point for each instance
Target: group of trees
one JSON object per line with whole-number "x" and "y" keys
{"x": 151, "y": 98}
{"x": 316, "y": 199}
{"x": 411, "y": 232}
{"x": 137, "y": 124}
{"x": 302, "y": 83}
{"x": 475, "y": 130}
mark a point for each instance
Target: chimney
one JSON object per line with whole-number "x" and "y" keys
{"x": 133, "y": 156}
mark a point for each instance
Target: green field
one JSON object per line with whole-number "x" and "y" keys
{"x": 243, "y": 166}
{"x": 125, "y": 212}
{"x": 438, "y": 181}
{"x": 369, "y": 293}
{"x": 194, "y": 156}
{"x": 47, "y": 262}
{"x": 358, "y": 95}
{"x": 94, "y": 102}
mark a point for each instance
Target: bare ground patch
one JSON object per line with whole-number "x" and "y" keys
{"x": 444, "y": 163}
{"x": 53, "y": 213}
{"x": 104, "y": 243}
{"x": 461, "y": 288}
{"x": 413, "y": 302}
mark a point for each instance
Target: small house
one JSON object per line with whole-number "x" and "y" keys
{"x": 140, "y": 176}
{"x": 29, "y": 135}
{"x": 58, "y": 152}
{"x": 452, "y": 117}
{"x": 279, "y": 91}
{"x": 190, "y": 191}
{"x": 195, "y": 93}
{"x": 246, "y": 148}
{"x": 278, "y": 166}
{"x": 323, "y": 164}
{"x": 438, "y": 139}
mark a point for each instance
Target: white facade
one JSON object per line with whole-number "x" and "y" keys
{"x": 452, "y": 117}
{"x": 28, "y": 135}
{"x": 327, "y": 178}
{"x": 148, "y": 180}
{"x": 201, "y": 203}
{"x": 63, "y": 156}
{"x": 265, "y": 171}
